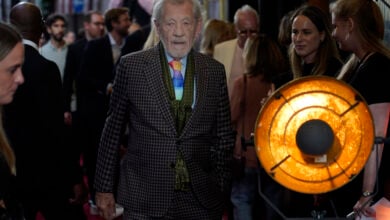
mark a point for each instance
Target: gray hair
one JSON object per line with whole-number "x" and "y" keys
{"x": 246, "y": 9}
{"x": 158, "y": 8}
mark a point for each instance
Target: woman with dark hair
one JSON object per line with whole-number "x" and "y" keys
{"x": 262, "y": 60}
{"x": 311, "y": 48}
{"x": 284, "y": 34}
{"x": 313, "y": 51}
{"x": 11, "y": 59}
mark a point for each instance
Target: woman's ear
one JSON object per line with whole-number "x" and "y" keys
{"x": 350, "y": 24}
{"x": 322, "y": 36}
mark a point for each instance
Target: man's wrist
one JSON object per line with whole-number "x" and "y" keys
{"x": 367, "y": 193}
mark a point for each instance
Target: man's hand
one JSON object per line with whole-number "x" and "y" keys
{"x": 80, "y": 194}
{"x": 362, "y": 207}
{"x": 105, "y": 203}
{"x": 269, "y": 94}
{"x": 68, "y": 118}
{"x": 109, "y": 89}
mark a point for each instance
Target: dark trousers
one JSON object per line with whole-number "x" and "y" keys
{"x": 184, "y": 206}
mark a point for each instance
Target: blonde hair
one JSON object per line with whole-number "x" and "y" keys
{"x": 5, "y": 148}
{"x": 152, "y": 39}
{"x": 10, "y": 37}
{"x": 369, "y": 28}
{"x": 214, "y": 32}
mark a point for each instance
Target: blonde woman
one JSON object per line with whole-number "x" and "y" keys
{"x": 359, "y": 29}
{"x": 152, "y": 39}
{"x": 11, "y": 59}
{"x": 215, "y": 31}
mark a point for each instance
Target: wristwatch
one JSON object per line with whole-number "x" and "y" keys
{"x": 367, "y": 194}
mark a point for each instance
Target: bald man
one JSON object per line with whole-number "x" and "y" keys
{"x": 34, "y": 124}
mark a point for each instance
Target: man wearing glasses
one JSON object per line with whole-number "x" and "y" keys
{"x": 229, "y": 53}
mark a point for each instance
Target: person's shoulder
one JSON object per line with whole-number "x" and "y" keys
{"x": 153, "y": 51}
{"x": 379, "y": 57}
{"x": 34, "y": 56}
{"x": 377, "y": 62}
{"x": 29, "y": 50}
{"x": 99, "y": 41}
{"x": 334, "y": 66}
{"x": 99, "y": 44}
{"x": 281, "y": 79}
{"x": 45, "y": 45}
{"x": 49, "y": 65}
{"x": 44, "y": 62}
{"x": 140, "y": 34}
{"x": 224, "y": 49}
{"x": 37, "y": 64}
{"x": 206, "y": 59}
{"x": 335, "y": 61}
{"x": 76, "y": 49}
{"x": 78, "y": 44}
{"x": 225, "y": 44}
{"x": 142, "y": 56}
{"x": 134, "y": 42}
{"x": 45, "y": 48}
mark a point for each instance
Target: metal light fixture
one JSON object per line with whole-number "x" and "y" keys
{"x": 314, "y": 134}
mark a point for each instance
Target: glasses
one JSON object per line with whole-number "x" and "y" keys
{"x": 98, "y": 23}
{"x": 247, "y": 32}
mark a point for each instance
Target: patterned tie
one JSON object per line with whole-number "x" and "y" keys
{"x": 177, "y": 78}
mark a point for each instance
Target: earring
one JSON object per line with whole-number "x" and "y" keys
{"x": 346, "y": 36}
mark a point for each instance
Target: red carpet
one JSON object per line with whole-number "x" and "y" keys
{"x": 86, "y": 211}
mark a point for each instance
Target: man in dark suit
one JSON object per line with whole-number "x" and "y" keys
{"x": 177, "y": 163}
{"x": 93, "y": 24}
{"x": 136, "y": 40}
{"x": 34, "y": 124}
{"x": 140, "y": 14}
{"x": 95, "y": 83}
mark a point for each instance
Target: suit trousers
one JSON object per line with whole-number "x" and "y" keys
{"x": 184, "y": 206}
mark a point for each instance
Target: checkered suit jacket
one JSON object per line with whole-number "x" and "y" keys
{"x": 140, "y": 101}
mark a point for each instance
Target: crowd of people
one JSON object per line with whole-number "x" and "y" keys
{"x": 160, "y": 118}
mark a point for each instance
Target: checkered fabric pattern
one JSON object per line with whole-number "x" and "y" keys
{"x": 140, "y": 101}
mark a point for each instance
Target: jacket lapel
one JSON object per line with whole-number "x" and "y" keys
{"x": 154, "y": 77}
{"x": 201, "y": 79}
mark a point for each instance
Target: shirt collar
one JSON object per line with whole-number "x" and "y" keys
{"x": 30, "y": 43}
{"x": 52, "y": 47}
{"x": 183, "y": 60}
{"x": 112, "y": 41}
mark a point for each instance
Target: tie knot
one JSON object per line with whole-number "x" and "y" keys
{"x": 175, "y": 65}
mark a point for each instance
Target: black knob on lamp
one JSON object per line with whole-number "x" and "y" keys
{"x": 314, "y": 137}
